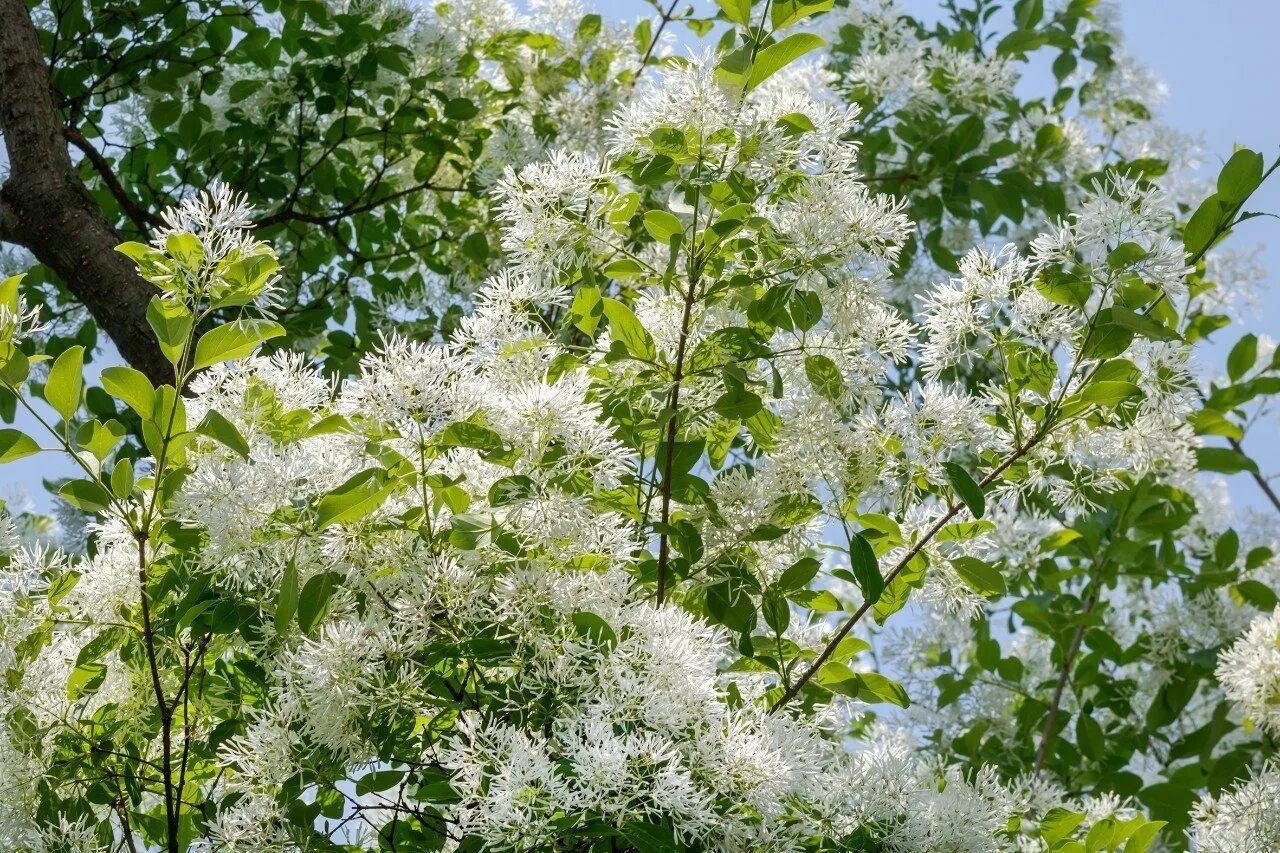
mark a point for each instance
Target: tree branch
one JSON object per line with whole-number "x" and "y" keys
{"x": 1257, "y": 475}
{"x": 952, "y": 510}
{"x": 141, "y": 217}
{"x": 1064, "y": 675}
{"x": 45, "y": 207}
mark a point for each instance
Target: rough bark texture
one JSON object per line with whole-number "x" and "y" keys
{"x": 45, "y": 207}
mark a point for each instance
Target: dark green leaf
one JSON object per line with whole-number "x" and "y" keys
{"x": 966, "y": 489}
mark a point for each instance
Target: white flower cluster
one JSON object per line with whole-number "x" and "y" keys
{"x": 1250, "y": 672}
{"x": 1244, "y": 819}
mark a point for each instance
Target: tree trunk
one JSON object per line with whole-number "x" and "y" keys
{"x": 45, "y": 208}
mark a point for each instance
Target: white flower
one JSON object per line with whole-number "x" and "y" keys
{"x": 1244, "y": 819}
{"x": 1249, "y": 672}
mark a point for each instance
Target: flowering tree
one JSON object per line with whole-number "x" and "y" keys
{"x": 744, "y": 507}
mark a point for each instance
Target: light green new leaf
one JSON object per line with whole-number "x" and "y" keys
{"x": 586, "y": 310}
{"x": 624, "y": 327}
{"x": 65, "y": 382}
{"x": 777, "y": 56}
{"x": 15, "y": 444}
{"x": 122, "y": 478}
{"x": 85, "y": 678}
{"x": 784, "y": 13}
{"x": 662, "y": 225}
{"x": 1109, "y": 392}
{"x": 355, "y": 498}
{"x": 1058, "y": 824}
{"x": 132, "y": 388}
{"x": 100, "y": 438}
{"x": 172, "y": 326}
{"x": 233, "y": 340}
{"x": 9, "y": 292}
{"x": 737, "y": 11}
{"x": 85, "y": 495}
{"x": 185, "y": 247}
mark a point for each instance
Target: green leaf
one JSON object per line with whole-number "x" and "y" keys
{"x": 15, "y": 444}
{"x": 662, "y": 225}
{"x": 799, "y": 574}
{"x": 354, "y": 499}
{"x": 1204, "y": 225}
{"x": 10, "y": 292}
{"x": 131, "y": 387}
{"x": 1240, "y": 176}
{"x": 1227, "y": 548}
{"x": 66, "y": 381}
{"x": 99, "y": 438}
{"x": 777, "y": 613}
{"x": 1059, "y": 824}
{"x": 1106, "y": 340}
{"x": 1126, "y": 254}
{"x": 624, "y": 327}
{"x": 984, "y": 578}
{"x": 875, "y": 687}
{"x": 784, "y": 13}
{"x": 1089, "y": 737}
{"x": 85, "y": 678}
{"x": 966, "y": 489}
{"x": 85, "y": 495}
{"x": 108, "y": 640}
{"x": 61, "y": 585}
{"x": 1064, "y": 289}
{"x": 122, "y": 478}
{"x": 775, "y": 57}
{"x": 738, "y": 404}
{"x": 825, "y": 376}
{"x": 233, "y": 340}
{"x": 737, "y": 11}
{"x": 171, "y": 324}
{"x": 586, "y": 310}
{"x": 595, "y": 629}
{"x": 1109, "y": 392}
{"x": 866, "y": 569}
{"x": 864, "y": 686}
{"x": 287, "y": 603}
{"x": 460, "y": 109}
{"x": 1224, "y": 460}
{"x": 1019, "y": 42}
{"x": 313, "y": 602}
{"x": 185, "y": 247}
{"x": 1142, "y": 838}
{"x": 470, "y": 434}
{"x": 1258, "y": 594}
{"x": 378, "y": 780}
{"x": 730, "y": 604}
{"x": 652, "y": 838}
{"x": 1243, "y": 356}
{"x": 1028, "y": 13}
{"x": 220, "y": 429}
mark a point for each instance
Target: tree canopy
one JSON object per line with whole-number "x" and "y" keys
{"x": 528, "y": 436}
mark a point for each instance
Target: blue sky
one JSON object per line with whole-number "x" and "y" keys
{"x": 1222, "y": 69}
